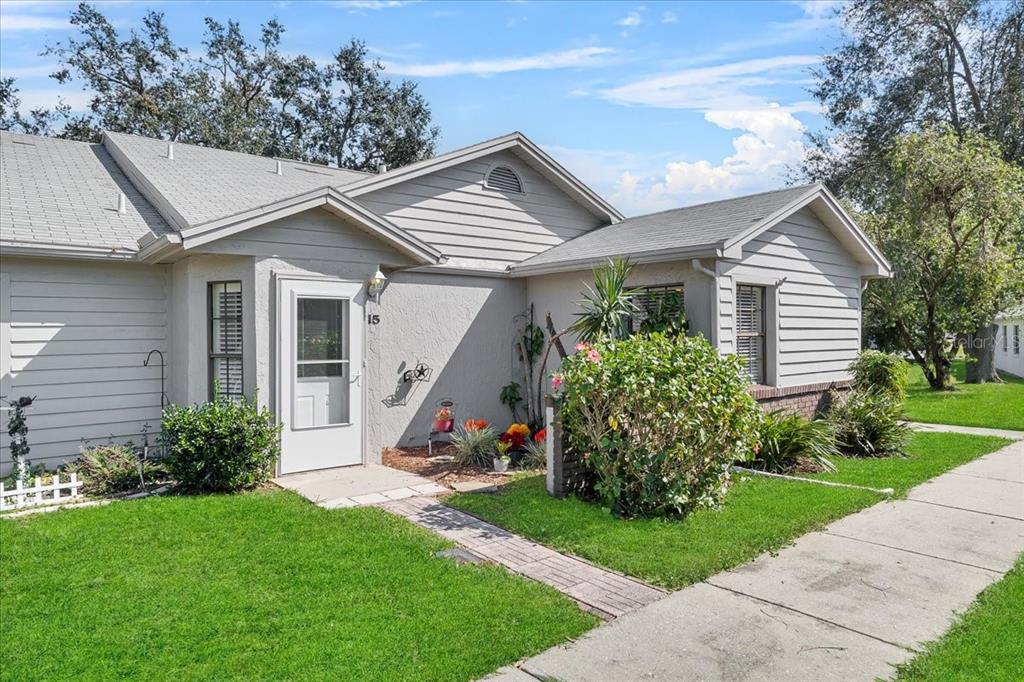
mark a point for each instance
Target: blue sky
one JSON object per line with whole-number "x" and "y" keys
{"x": 655, "y": 104}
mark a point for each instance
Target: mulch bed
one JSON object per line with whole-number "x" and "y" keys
{"x": 416, "y": 461}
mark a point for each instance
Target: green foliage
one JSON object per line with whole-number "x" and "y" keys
{"x": 231, "y": 94}
{"x": 511, "y": 397}
{"x": 869, "y": 424}
{"x": 951, "y": 226}
{"x": 17, "y": 429}
{"x": 533, "y": 341}
{"x": 111, "y": 468}
{"x": 536, "y": 456}
{"x": 786, "y": 440}
{"x": 607, "y": 305}
{"x": 881, "y": 372}
{"x": 906, "y": 64}
{"x": 668, "y": 316}
{"x": 474, "y": 446}
{"x": 220, "y": 446}
{"x": 658, "y": 421}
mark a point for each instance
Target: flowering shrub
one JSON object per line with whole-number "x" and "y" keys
{"x": 540, "y": 436}
{"x": 475, "y": 424}
{"x": 657, "y": 421}
{"x": 474, "y": 443}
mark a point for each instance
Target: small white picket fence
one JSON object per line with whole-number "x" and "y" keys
{"x": 20, "y": 497}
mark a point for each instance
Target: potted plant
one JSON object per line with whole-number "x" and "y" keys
{"x": 443, "y": 421}
{"x": 516, "y": 436}
{"x": 502, "y": 459}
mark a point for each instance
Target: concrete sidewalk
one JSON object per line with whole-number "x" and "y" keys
{"x": 845, "y": 603}
{"x": 970, "y": 430}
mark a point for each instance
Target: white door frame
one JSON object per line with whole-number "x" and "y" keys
{"x": 278, "y": 278}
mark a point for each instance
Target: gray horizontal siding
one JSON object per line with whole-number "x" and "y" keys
{"x": 315, "y": 234}
{"x": 451, "y": 210}
{"x": 79, "y": 333}
{"x": 818, "y": 304}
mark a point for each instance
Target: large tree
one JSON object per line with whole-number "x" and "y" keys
{"x": 951, "y": 223}
{"x": 909, "y": 64}
{"x": 238, "y": 95}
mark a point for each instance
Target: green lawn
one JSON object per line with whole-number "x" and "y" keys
{"x": 997, "y": 406}
{"x": 759, "y": 514}
{"x": 257, "y": 586}
{"x": 986, "y": 643}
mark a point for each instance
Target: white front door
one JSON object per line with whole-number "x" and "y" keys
{"x": 320, "y": 366}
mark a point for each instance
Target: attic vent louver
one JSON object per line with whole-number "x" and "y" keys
{"x": 504, "y": 179}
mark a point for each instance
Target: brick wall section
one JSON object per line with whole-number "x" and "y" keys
{"x": 809, "y": 400}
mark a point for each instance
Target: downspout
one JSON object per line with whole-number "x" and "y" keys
{"x": 699, "y": 267}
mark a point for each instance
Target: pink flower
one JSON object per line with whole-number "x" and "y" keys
{"x": 556, "y": 381}
{"x": 593, "y": 355}
{"x": 581, "y": 346}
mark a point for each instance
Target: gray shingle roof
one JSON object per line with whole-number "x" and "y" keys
{"x": 64, "y": 193}
{"x": 676, "y": 229}
{"x": 203, "y": 184}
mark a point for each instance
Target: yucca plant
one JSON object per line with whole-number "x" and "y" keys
{"x": 474, "y": 446}
{"x": 787, "y": 439}
{"x": 870, "y": 424}
{"x": 607, "y": 305}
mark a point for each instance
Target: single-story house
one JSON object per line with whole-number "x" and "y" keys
{"x": 352, "y": 304}
{"x": 1009, "y": 356}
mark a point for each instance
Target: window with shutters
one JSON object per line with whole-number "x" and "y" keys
{"x": 1006, "y": 337}
{"x": 750, "y": 329}
{"x": 658, "y": 309}
{"x": 1016, "y": 339}
{"x": 226, "y": 338}
{"x": 503, "y": 179}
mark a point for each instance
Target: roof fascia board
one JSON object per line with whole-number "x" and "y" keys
{"x": 734, "y": 246}
{"x": 142, "y": 183}
{"x": 570, "y": 183}
{"x": 154, "y": 249}
{"x": 325, "y": 196}
{"x": 660, "y": 256}
{"x": 36, "y": 249}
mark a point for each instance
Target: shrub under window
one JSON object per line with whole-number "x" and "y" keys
{"x": 223, "y": 445}
{"x": 658, "y": 421}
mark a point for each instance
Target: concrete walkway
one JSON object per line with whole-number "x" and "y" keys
{"x": 845, "y": 603}
{"x": 357, "y": 485}
{"x": 971, "y": 430}
{"x": 604, "y": 592}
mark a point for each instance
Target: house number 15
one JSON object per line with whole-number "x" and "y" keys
{"x": 373, "y": 319}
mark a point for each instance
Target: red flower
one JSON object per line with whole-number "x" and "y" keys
{"x": 540, "y": 436}
{"x": 475, "y": 424}
{"x": 516, "y": 440}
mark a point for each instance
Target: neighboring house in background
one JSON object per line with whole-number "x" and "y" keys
{"x": 1010, "y": 342}
{"x": 256, "y": 274}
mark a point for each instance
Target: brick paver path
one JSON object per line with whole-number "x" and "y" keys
{"x": 609, "y": 594}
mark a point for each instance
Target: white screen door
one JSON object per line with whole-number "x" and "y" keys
{"x": 320, "y": 358}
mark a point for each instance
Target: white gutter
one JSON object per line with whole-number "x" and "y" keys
{"x": 715, "y": 317}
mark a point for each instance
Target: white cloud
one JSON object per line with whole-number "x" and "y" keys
{"x": 818, "y": 9}
{"x": 10, "y": 23}
{"x": 631, "y": 20}
{"x": 723, "y": 86}
{"x": 28, "y": 70}
{"x": 579, "y": 57}
{"x": 669, "y": 18}
{"x": 770, "y": 143}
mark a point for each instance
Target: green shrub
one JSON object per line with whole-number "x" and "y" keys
{"x": 787, "y": 440}
{"x": 536, "y": 456}
{"x": 220, "y": 446}
{"x": 474, "y": 445}
{"x": 880, "y": 372}
{"x": 658, "y": 421}
{"x": 111, "y": 468}
{"x": 869, "y": 424}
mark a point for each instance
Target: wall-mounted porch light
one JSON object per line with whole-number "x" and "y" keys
{"x": 375, "y": 285}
